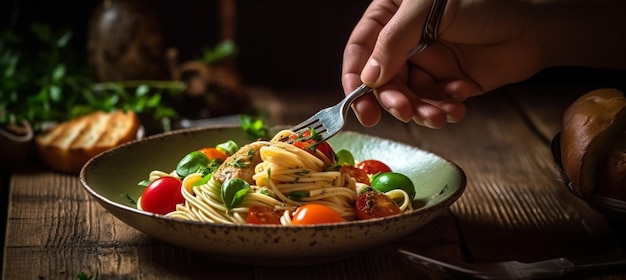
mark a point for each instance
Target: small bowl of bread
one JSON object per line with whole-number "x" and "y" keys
{"x": 590, "y": 150}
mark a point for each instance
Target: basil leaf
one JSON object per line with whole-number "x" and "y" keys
{"x": 268, "y": 192}
{"x": 205, "y": 179}
{"x": 229, "y": 147}
{"x": 233, "y": 192}
{"x": 191, "y": 163}
{"x": 298, "y": 195}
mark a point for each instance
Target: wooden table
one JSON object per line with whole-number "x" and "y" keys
{"x": 514, "y": 207}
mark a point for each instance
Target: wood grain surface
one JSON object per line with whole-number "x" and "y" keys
{"x": 515, "y": 206}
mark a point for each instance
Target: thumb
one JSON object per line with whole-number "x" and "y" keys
{"x": 396, "y": 39}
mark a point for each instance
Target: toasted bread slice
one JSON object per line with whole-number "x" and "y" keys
{"x": 69, "y": 145}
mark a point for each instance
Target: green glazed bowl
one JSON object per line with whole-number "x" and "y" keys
{"x": 438, "y": 184}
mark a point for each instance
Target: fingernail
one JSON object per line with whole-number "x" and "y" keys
{"x": 424, "y": 122}
{"x": 429, "y": 124}
{"x": 418, "y": 121}
{"x": 371, "y": 72}
{"x": 397, "y": 115}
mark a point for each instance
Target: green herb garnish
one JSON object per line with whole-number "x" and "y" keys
{"x": 254, "y": 127}
{"x": 233, "y": 192}
{"x": 193, "y": 162}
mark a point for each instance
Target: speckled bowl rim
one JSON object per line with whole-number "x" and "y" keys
{"x": 433, "y": 207}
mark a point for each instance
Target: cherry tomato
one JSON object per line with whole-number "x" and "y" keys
{"x": 323, "y": 147}
{"x": 372, "y": 166}
{"x": 372, "y": 204}
{"x": 263, "y": 215}
{"x": 358, "y": 174}
{"x": 327, "y": 150}
{"x": 385, "y": 182}
{"x": 213, "y": 153}
{"x": 312, "y": 214}
{"x": 303, "y": 144}
{"x": 162, "y": 195}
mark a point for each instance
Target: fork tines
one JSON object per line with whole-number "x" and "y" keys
{"x": 311, "y": 123}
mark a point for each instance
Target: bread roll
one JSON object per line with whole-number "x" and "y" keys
{"x": 591, "y": 152}
{"x": 69, "y": 145}
{"x": 612, "y": 170}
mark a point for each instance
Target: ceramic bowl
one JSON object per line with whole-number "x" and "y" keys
{"x": 106, "y": 177}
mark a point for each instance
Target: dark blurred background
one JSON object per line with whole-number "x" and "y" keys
{"x": 281, "y": 43}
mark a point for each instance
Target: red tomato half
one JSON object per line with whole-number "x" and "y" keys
{"x": 303, "y": 144}
{"x": 162, "y": 195}
{"x": 313, "y": 214}
{"x": 263, "y": 215}
{"x": 358, "y": 174}
{"x": 372, "y": 204}
{"x": 328, "y": 151}
{"x": 213, "y": 153}
{"x": 323, "y": 147}
{"x": 372, "y": 166}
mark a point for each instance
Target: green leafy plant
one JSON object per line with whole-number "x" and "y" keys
{"x": 41, "y": 82}
{"x": 221, "y": 51}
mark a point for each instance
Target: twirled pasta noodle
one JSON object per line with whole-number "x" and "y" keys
{"x": 284, "y": 169}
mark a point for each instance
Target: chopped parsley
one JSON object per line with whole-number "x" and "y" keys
{"x": 239, "y": 163}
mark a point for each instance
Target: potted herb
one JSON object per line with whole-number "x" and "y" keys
{"x": 41, "y": 84}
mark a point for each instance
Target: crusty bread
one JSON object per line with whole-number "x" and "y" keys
{"x": 612, "y": 170}
{"x": 592, "y": 126}
{"x": 69, "y": 145}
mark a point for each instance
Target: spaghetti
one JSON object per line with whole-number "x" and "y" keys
{"x": 284, "y": 178}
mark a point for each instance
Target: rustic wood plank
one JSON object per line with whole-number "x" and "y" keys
{"x": 514, "y": 207}
{"x": 76, "y": 235}
{"x": 543, "y": 106}
{"x": 4, "y": 201}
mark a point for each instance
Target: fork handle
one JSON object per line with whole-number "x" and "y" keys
{"x": 597, "y": 262}
{"x": 356, "y": 93}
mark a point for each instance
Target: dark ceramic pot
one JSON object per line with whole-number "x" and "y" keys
{"x": 16, "y": 144}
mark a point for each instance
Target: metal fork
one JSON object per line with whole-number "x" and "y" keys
{"x": 518, "y": 270}
{"x": 328, "y": 121}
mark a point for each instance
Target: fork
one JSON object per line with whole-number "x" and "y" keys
{"x": 328, "y": 121}
{"x": 557, "y": 267}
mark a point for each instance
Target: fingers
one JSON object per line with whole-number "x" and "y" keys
{"x": 376, "y": 54}
{"x": 435, "y": 114}
{"x": 405, "y": 105}
{"x": 367, "y": 110}
{"x": 362, "y": 41}
{"x": 395, "y": 40}
{"x": 357, "y": 51}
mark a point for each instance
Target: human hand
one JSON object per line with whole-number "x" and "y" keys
{"x": 482, "y": 45}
